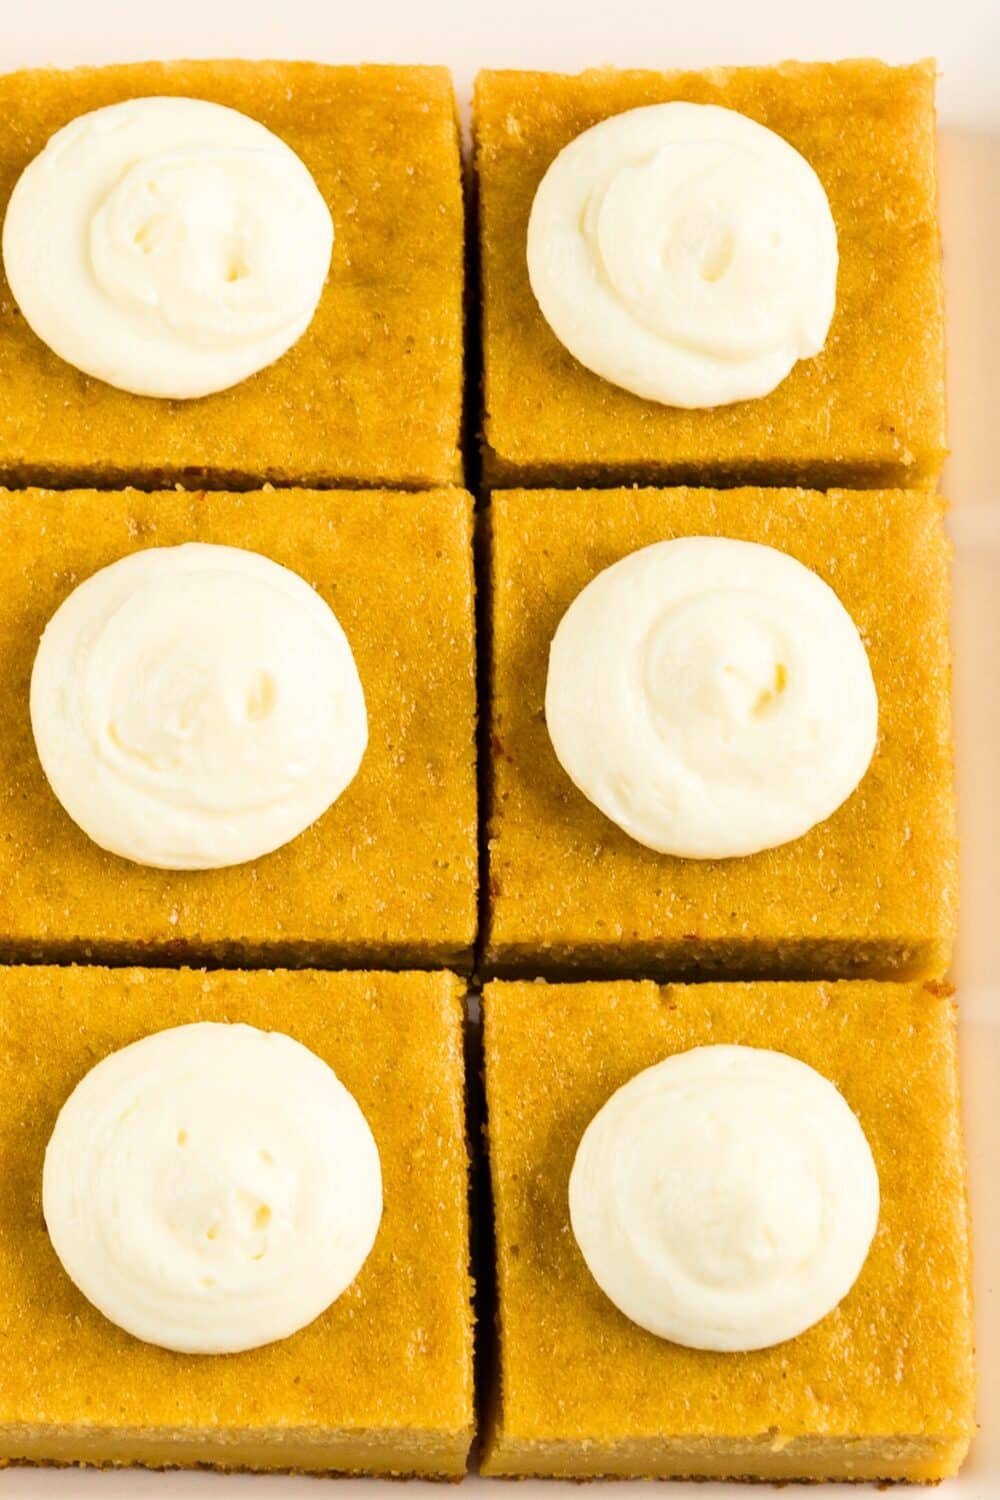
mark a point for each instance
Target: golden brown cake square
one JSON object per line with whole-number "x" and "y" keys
{"x": 379, "y": 1383}
{"x": 868, "y": 411}
{"x": 881, "y": 1388}
{"x": 389, "y": 873}
{"x": 871, "y": 891}
{"x": 372, "y": 391}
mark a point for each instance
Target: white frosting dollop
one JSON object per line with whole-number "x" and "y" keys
{"x": 212, "y": 1187}
{"x": 167, "y": 246}
{"x": 684, "y": 252}
{"x": 196, "y": 706}
{"x": 726, "y": 1198}
{"x": 712, "y": 697}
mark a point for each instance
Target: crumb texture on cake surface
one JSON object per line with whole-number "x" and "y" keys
{"x": 388, "y": 875}
{"x": 382, "y": 145}
{"x": 870, "y": 891}
{"x": 868, "y": 411}
{"x": 881, "y": 1388}
{"x": 382, "y": 1381}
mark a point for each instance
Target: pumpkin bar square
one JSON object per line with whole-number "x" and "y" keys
{"x": 381, "y": 1382}
{"x": 881, "y": 1388}
{"x": 868, "y": 411}
{"x": 382, "y": 146}
{"x": 388, "y": 875}
{"x": 872, "y": 891}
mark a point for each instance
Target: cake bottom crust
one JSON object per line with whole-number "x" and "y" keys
{"x": 389, "y": 1454}
{"x": 765, "y": 1459}
{"x": 506, "y": 471}
{"x": 720, "y": 958}
{"x": 197, "y": 953}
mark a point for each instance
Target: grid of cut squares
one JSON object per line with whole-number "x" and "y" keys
{"x": 382, "y": 1382}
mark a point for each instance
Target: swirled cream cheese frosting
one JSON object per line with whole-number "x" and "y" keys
{"x": 725, "y": 1198}
{"x": 196, "y": 706}
{"x": 712, "y": 697}
{"x": 167, "y": 246}
{"x": 685, "y": 253}
{"x": 212, "y": 1187}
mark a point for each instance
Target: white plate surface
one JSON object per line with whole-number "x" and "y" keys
{"x": 964, "y": 35}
